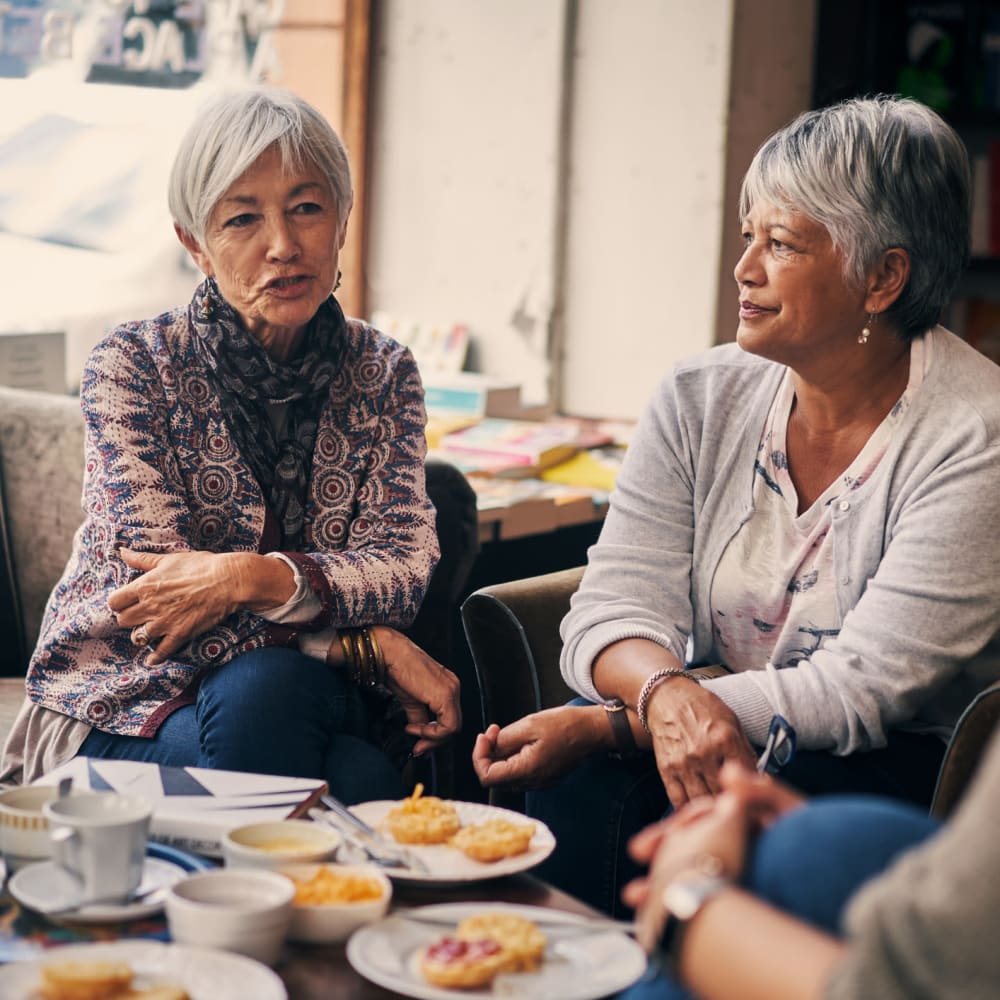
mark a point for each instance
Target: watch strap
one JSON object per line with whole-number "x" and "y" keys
{"x": 625, "y": 745}
{"x": 683, "y": 898}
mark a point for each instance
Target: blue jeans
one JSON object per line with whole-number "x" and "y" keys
{"x": 273, "y": 711}
{"x": 599, "y": 806}
{"x": 813, "y": 860}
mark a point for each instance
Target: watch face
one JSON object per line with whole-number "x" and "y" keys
{"x": 685, "y": 896}
{"x": 680, "y": 899}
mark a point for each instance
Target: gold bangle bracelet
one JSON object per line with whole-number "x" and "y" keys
{"x": 363, "y": 659}
{"x": 377, "y": 657}
{"x": 345, "y": 644}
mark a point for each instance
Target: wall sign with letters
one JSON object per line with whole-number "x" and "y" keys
{"x": 162, "y": 43}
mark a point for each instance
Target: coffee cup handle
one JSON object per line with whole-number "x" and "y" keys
{"x": 62, "y": 838}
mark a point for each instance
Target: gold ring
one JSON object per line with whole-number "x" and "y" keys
{"x": 140, "y": 636}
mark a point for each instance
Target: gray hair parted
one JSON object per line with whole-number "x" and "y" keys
{"x": 231, "y": 131}
{"x": 877, "y": 172}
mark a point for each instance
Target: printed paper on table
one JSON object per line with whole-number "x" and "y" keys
{"x": 194, "y": 806}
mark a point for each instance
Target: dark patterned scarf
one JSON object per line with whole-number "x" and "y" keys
{"x": 248, "y": 380}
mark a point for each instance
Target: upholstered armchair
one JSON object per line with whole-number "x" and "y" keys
{"x": 513, "y": 634}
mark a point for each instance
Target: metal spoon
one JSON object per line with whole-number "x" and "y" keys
{"x": 136, "y": 896}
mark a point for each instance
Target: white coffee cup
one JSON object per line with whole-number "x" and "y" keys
{"x": 24, "y": 831}
{"x": 99, "y": 838}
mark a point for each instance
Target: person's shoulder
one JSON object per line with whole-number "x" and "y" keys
{"x": 369, "y": 343}
{"x": 153, "y": 335}
{"x": 961, "y": 373}
{"x": 724, "y": 368}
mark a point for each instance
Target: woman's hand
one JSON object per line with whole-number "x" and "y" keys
{"x": 538, "y": 749}
{"x": 720, "y": 830}
{"x": 720, "y": 826}
{"x": 183, "y": 594}
{"x": 694, "y": 733}
{"x": 428, "y": 692}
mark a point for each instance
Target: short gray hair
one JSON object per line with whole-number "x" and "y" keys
{"x": 877, "y": 172}
{"x": 231, "y": 131}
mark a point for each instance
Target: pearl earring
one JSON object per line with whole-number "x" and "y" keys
{"x": 866, "y": 332}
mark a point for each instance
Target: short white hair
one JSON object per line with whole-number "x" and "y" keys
{"x": 229, "y": 134}
{"x": 876, "y": 172}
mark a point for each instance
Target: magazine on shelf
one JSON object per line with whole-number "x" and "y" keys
{"x": 194, "y": 806}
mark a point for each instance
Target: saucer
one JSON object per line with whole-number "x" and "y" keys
{"x": 44, "y": 886}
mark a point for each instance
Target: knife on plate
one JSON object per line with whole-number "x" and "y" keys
{"x": 360, "y": 834}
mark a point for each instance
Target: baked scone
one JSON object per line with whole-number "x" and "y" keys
{"x": 422, "y": 819}
{"x": 494, "y": 839}
{"x": 84, "y": 980}
{"x": 462, "y": 965}
{"x": 165, "y": 991}
{"x": 520, "y": 939}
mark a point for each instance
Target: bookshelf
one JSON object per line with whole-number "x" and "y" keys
{"x": 947, "y": 55}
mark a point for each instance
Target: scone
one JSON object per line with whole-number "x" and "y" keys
{"x": 422, "y": 819}
{"x": 462, "y": 965}
{"x": 90, "y": 980}
{"x": 494, "y": 839}
{"x": 165, "y": 991}
{"x": 522, "y": 943}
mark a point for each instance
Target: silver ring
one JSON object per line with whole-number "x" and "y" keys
{"x": 140, "y": 636}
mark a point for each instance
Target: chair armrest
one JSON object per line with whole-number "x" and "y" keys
{"x": 965, "y": 749}
{"x": 513, "y": 634}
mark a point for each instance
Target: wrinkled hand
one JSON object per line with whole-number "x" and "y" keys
{"x": 694, "y": 733}
{"x": 765, "y": 798}
{"x": 428, "y": 692}
{"x": 178, "y": 597}
{"x": 534, "y": 751}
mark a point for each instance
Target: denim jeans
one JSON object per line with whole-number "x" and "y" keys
{"x": 813, "y": 860}
{"x": 599, "y": 806}
{"x": 273, "y": 711}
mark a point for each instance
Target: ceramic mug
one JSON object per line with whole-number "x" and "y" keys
{"x": 24, "y": 831}
{"x": 99, "y": 839}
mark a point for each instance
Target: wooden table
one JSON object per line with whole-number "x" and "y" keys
{"x": 319, "y": 972}
{"x": 310, "y": 972}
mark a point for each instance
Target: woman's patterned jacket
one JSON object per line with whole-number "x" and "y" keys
{"x": 163, "y": 475}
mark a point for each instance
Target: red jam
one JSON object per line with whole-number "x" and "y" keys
{"x": 449, "y": 950}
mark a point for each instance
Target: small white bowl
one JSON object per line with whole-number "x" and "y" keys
{"x": 331, "y": 923}
{"x": 24, "y": 829}
{"x": 243, "y": 911}
{"x": 272, "y": 845}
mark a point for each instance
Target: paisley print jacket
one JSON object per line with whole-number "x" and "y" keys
{"x": 163, "y": 475}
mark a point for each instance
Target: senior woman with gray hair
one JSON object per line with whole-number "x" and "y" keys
{"x": 257, "y": 525}
{"x": 814, "y": 508}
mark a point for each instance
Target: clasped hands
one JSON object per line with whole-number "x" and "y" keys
{"x": 720, "y": 826}
{"x": 181, "y": 595}
{"x": 692, "y": 734}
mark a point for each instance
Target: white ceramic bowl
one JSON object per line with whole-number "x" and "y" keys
{"x": 272, "y": 845}
{"x": 244, "y": 911}
{"x": 329, "y": 923}
{"x": 24, "y": 830}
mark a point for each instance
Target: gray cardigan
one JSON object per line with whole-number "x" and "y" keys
{"x": 916, "y": 548}
{"x": 926, "y": 929}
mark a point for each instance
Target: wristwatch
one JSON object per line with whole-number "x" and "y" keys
{"x": 683, "y": 897}
{"x": 624, "y": 740}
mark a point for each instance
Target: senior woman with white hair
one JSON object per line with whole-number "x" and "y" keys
{"x": 814, "y": 508}
{"x": 257, "y": 524}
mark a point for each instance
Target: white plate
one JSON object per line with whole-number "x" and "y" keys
{"x": 206, "y": 974}
{"x": 578, "y": 964}
{"x": 45, "y": 886}
{"x": 448, "y": 864}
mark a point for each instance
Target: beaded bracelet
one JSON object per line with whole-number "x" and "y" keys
{"x": 642, "y": 705}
